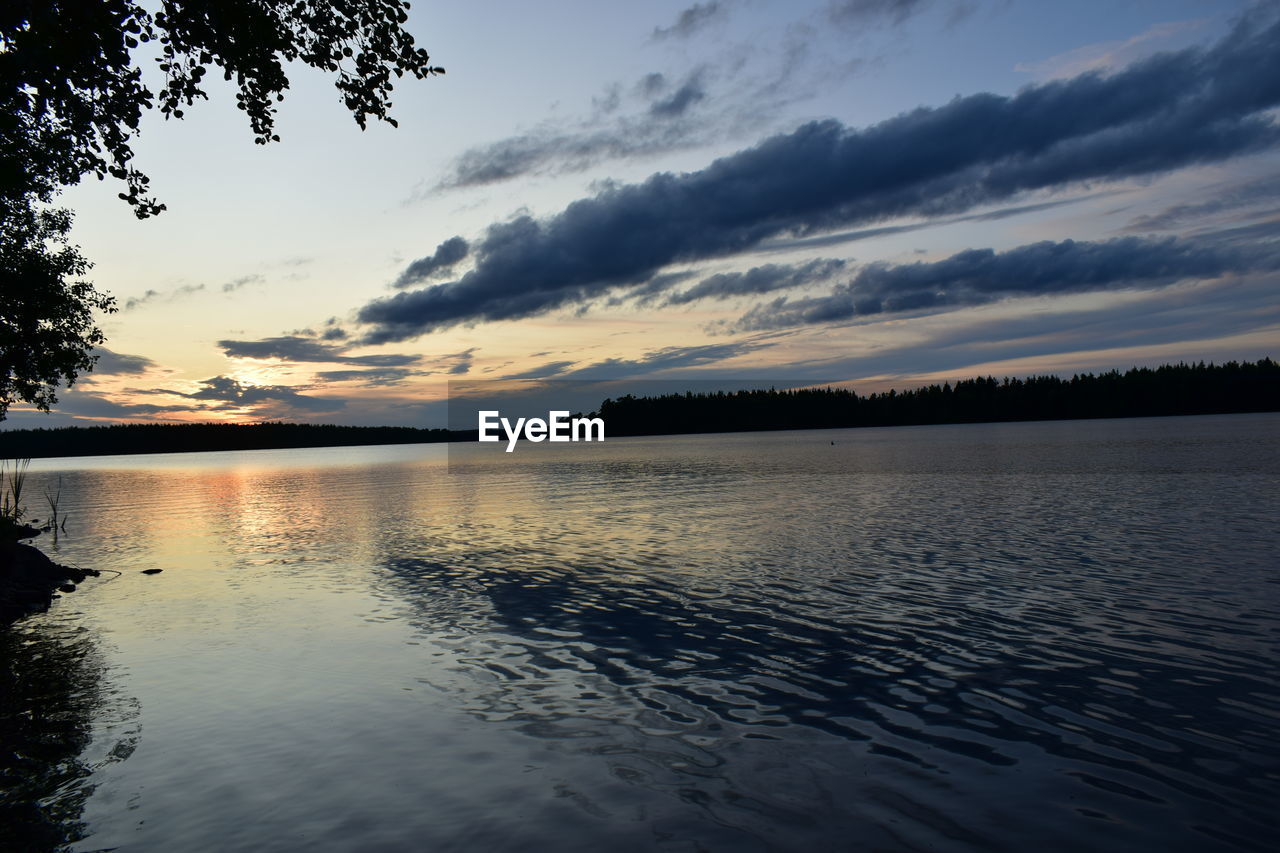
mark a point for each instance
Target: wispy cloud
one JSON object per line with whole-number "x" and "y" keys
{"x": 1107, "y": 56}
{"x": 305, "y": 349}
{"x": 237, "y": 283}
{"x": 653, "y": 363}
{"x": 94, "y": 405}
{"x": 307, "y": 346}
{"x": 679, "y": 102}
{"x": 1192, "y": 319}
{"x": 1264, "y": 193}
{"x": 542, "y": 371}
{"x": 459, "y": 363}
{"x": 666, "y": 120}
{"x": 692, "y": 20}
{"x": 150, "y": 296}
{"x": 740, "y": 89}
{"x": 379, "y": 377}
{"x": 220, "y": 394}
{"x": 871, "y": 12}
{"x": 157, "y": 296}
{"x": 666, "y": 359}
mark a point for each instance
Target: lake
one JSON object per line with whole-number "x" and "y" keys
{"x": 1055, "y": 636}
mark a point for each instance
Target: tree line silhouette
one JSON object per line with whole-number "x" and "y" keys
{"x": 183, "y": 438}
{"x": 1181, "y": 389}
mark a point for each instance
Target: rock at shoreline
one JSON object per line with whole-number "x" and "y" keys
{"x": 29, "y": 579}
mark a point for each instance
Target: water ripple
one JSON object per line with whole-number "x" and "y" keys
{"x": 987, "y": 638}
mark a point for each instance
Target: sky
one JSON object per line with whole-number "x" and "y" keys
{"x": 882, "y": 193}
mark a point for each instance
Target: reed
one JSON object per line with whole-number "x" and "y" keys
{"x": 13, "y": 476}
{"x": 53, "y": 500}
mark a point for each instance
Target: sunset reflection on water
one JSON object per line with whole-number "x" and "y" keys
{"x": 972, "y": 638}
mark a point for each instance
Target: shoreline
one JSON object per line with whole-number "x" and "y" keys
{"x": 470, "y": 436}
{"x": 30, "y": 581}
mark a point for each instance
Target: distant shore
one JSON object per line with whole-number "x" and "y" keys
{"x": 128, "y": 439}
{"x": 1168, "y": 390}
{"x": 1165, "y": 391}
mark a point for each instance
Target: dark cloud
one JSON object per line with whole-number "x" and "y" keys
{"x": 115, "y": 363}
{"x": 446, "y": 255}
{"x": 1235, "y": 197}
{"x": 761, "y": 279}
{"x": 333, "y": 330}
{"x": 977, "y": 276}
{"x": 1169, "y": 111}
{"x": 299, "y": 348}
{"x": 691, "y": 20}
{"x": 230, "y": 393}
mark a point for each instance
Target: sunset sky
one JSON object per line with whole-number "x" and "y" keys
{"x": 884, "y": 191}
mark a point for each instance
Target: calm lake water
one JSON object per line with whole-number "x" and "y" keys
{"x": 1048, "y": 637}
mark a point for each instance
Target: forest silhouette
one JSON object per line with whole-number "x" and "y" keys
{"x": 1181, "y": 389}
{"x": 187, "y": 438}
